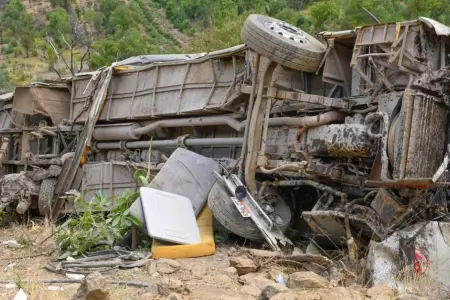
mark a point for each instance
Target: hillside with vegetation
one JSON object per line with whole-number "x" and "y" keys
{"x": 42, "y": 39}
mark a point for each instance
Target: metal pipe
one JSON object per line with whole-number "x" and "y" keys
{"x": 200, "y": 121}
{"x": 249, "y": 115}
{"x": 366, "y": 110}
{"x": 171, "y": 143}
{"x": 45, "y": 156}
{"x": 48, "y": 132}
{"x": 132, "y": 131}
{"x": 371, "y": 15}
{"x": 116, "y": 132}
{"x": 291, "y": 167}
{"x": 308, "y": 121}
{"x": 338, "y": 34}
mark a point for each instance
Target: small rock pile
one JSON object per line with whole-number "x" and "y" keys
{"x": 255, "y": 275}
{"x": 260, "y": 283}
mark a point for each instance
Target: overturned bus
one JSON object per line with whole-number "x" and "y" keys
{"x": 348, "y": 134}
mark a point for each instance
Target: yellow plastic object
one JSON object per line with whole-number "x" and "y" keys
{"x": 207, "y": 247}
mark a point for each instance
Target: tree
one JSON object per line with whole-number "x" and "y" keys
{"x": 119, "y": 47}
{"x": 321, "y": 13}
{"x": 108, "y": 6}
{"x": 95, "y": 19}
{"x": 19, "y": 25}
{"x": 5, "y": 84}
{"x": 121, "y": 19}
{"x": 59, "y": 26}
{"x": 66, "y": 32}
{"x": 63, "y": 3}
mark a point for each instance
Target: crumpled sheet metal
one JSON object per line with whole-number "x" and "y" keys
{"x": 6, "y": 97}
{"x": 85, "y": 138}
{"x": 48, "y": 100}
{"x": 430, "y": 258}
{"x": 16, "y": 187}
{"x": 439, "y": 28}
{"x": 150, "y": 59}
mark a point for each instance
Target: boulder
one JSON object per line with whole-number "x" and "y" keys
{"x": 271, "y": 290}
{"x": 232, "y": 251}
{"x": 286, "y": 296}
{"x": 92, "y": 288}
{"x": 256, "y": 279}
{"x": 174, "y": 296}
{"x": 306, "y": 280}
{"x": 231, "y": 272}
{"x": 243, "y": 265}
{"x": 263, "y": 253}
{"x": 166, "y": 266}
{"x": 250, "y": 290}
{"x": 169, "y": 285}
{"x": 380, "y": 290}
{"x": 199, "y": 271}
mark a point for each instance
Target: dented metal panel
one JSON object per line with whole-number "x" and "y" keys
{"x": 330, "y": 224}
{"x": 51, "y": 101}
{"x": 387, "y": 205}
{"x": 439, "y": 28}
{"x": 109, "y": 178}
{"x": 166, "y": 89}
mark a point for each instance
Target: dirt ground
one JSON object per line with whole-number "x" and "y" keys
{"x": 201, "y": 278}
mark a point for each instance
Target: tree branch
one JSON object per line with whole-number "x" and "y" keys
{"x": 88, "y": 50}
{"x": 59, "y": 55}
{"x": 46, "y": 59}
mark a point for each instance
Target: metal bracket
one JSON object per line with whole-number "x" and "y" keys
{"x": 272, "y": 233}
{"x": 443, "y": 166}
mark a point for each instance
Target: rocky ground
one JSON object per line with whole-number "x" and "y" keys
{"x": 232, "y": 273}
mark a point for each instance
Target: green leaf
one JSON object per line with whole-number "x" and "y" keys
{"x": 65, "y": 255}
{"x": 135, "y": 221}
{"x": 110, "y": 237}
{"x": 115, "y": 221}
{"x": 143, "y": 180}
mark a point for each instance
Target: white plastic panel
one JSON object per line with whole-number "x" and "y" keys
{"x": 169, "y": 217}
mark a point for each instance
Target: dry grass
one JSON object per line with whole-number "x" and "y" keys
{"x": 422, "y": 284}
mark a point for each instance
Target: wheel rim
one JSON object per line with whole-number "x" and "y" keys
{"x": 288, "y": 31}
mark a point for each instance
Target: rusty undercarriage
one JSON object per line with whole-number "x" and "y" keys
{"x": 351, "y": 133}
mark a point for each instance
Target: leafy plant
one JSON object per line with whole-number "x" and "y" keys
{"x": 94, "y": 226}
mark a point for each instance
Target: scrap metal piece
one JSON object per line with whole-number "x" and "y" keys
{"x": 17, "y": 188}
{"x": 49, "y": 100}
{"x": 273, "y": 235}
{"x": 84, "y": 140}
{"x": 3, "y": 148}
{"x": 430, "y": 260}
{"x": 339, "y": 140}
{"x": 387, "y": 205}
{"x": 330, "y": 224}
{"x": 442, "y": 167}
{"x": 256, "y": 127}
